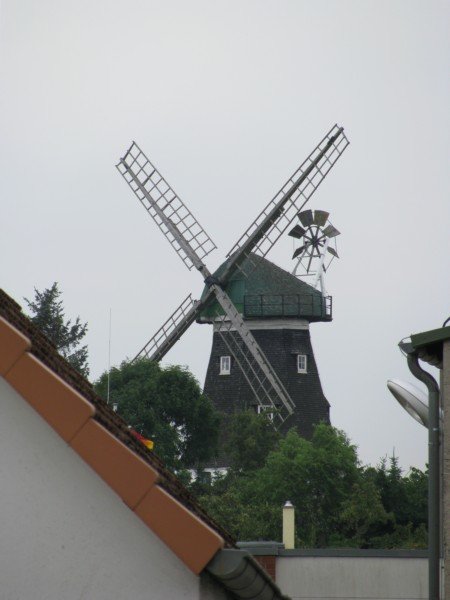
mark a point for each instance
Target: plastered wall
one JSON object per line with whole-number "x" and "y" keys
{"x": 352, "y": 578}
{"x": 64, "y": 533}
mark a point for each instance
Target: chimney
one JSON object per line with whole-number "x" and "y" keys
{"x": 289, "y": 526}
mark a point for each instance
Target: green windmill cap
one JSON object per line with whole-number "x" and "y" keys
{"x": 261, "y": 289}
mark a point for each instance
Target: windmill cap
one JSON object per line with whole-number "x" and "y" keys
{"x": 259, "y": 280}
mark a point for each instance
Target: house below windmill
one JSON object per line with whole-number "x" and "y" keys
{"x": 278, "y": 308}
{"x": 87, "y": 510}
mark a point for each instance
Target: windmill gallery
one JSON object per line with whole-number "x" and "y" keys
{"x": 261, "y": 355}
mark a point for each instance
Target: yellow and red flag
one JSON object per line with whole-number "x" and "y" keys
{"x": 148, "y": 443}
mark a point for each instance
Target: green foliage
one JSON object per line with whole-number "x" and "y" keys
{"x": 167, "y": 406}
{"x": 234, "y": 503}
{"x": 360, "y": 511}
{"x": 405, "y": 501}
{"x": 316, "y": 476}
{"x": 48, "y": 314}
{"x": 338, "y": 502}
{"x": 250, "y": 439}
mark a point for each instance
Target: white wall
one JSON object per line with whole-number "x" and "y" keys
{"x": 64, "y": 535}
{"x": 351, "y": 578}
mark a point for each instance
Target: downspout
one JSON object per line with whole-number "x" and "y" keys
{"x": 433, "y": 469}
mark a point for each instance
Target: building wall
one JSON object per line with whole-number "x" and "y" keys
{"x": 65, "y": 534}
{"x": 445, "y": 397}
{"x": 352, "y": 577}
{"x": 231, "y": 393}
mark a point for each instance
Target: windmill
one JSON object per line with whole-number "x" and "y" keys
{"x": 193, "y": 244}
{"x": 318, "y": 246}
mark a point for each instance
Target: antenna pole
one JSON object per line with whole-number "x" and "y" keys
{"x": 109, "y": 358}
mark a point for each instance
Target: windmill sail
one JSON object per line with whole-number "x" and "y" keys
{"x": 171, "y": 331}
{"x": 265, "y": 383}
{"x": 273, "y": 221}
{"x": 158, "y": 198}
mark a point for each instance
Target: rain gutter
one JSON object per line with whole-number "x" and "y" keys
{"x": 243, "y": 576}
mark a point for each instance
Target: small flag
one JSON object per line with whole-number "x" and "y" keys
{"x": 148, "y": 443}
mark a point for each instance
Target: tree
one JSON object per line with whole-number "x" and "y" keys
{"x": 167, "y": 406}
{"x": 317, "y": 476}
{"x": 361, "y": 511}
{"x": 250, "y": 439}
{"x": 338, "y": 502}
{"x": 416, "y": 486}
{"x": 404, "y": 499}
{"x": 47, "y": 313}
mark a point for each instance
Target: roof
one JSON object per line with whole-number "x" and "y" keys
{"x": 429, "y": 345}
{"x": 258, "y": 282}
{"x": 67, "y": 401}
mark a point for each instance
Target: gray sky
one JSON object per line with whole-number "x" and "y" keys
{"x": 227, "y": 98}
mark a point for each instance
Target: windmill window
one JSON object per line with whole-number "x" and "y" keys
{"x": 265, "y": 409}
{"x": 302, "y": 363}
{"x": 225, "y": 365}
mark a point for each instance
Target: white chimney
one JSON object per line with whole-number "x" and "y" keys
{"x": 289, "y": 526}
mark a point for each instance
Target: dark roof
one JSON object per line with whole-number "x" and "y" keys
{"x": 44, "y": 351}
{"x": 429, "y": 345}
{"x": 259, "y": 277}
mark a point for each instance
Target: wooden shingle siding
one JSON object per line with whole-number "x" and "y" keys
{"x": 231, "y": 393}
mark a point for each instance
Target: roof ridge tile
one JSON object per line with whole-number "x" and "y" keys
{"x": 125, "y": 472}
{"x": 178, "y": 527}
{"x": 57, "y": 402}
{"x": 13, "y": 345}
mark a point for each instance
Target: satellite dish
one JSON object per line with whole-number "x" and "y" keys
{"x": 413, "y": 400}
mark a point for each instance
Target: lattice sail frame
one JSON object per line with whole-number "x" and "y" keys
{"x": 263, "y": 380}
{"x": 293, "y": 195}
{"x": 167, "y": 200}
{"x": 170, "y": 331}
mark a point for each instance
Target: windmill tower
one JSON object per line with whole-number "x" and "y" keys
{"x": 278, "y": 308}
{"x": 218, "y": 301}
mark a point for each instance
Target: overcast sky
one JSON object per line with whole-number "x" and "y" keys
{"x": 227, "y": 98}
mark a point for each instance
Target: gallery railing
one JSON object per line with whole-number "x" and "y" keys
{"x": 309, "y": 306}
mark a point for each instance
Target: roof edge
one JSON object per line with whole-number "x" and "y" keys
{"x": 424, "y": 338}
{"x": 136, "y": 482}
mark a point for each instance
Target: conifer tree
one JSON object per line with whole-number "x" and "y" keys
{"x": 47, "y": 313}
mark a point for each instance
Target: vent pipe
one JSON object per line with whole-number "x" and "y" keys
{"x": 289, "y": 526}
